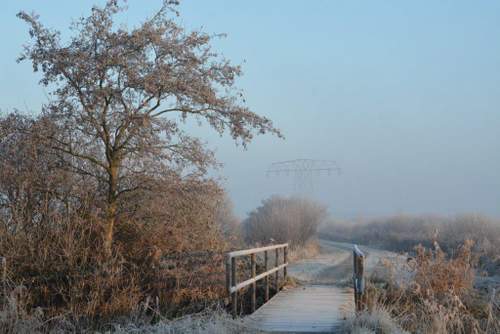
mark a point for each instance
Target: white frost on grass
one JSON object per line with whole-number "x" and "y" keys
{"x": 378, "y": 321}
{"x": 217, "y": 322}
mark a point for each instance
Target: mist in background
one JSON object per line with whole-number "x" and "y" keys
{"x": 404, "y": 96}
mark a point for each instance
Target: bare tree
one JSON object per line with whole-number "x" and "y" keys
{"x": 119, "y": 97}
{"x": 283, "y": 219}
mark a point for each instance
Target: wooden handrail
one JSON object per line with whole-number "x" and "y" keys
{"x": 243, "y": 284}
{"x": 255, "y": 250}
{"x": 358, "y": 278}
{"x": 232, "y": 286}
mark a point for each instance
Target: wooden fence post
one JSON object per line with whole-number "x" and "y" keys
{"x": 234, "y": 281}
{"x": 277, "y": 276}
{"x": 266, "y": 265}
{"x": 285, "y": 260}
{"x": 228, "y": 279}
{"x": 358, "y": 279}
{"x": 254, "y": 284}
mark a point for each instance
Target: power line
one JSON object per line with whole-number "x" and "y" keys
{"x": 303, "y": 172}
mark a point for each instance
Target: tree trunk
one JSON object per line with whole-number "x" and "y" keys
{"x": 111, "y": 211}
{"x": 109, "y": 227}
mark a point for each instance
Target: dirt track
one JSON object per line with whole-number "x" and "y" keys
{"x": 334, "y": 264}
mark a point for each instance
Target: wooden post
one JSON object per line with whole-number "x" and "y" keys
{"x": 266, "y": 266}
{"x": 358, "y": 279}
{"x": 277, "y": 275}
{"x": 254, "y": 284}
{"x": 285, "y": 260}
{"x": 234, "y": 281}
{"x": 228, "y": 278}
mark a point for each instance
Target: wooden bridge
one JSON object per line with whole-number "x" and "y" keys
{"x": 299, "y": 309}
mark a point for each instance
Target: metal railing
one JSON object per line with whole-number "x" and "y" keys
{"x": 232, "y": 285}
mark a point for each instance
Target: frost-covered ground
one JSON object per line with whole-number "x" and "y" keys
{"x": 217, "y": 322}
{"x": 334, "y": 264}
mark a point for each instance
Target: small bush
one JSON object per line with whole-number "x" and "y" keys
{"x": 436, "y": 275}
{"x": 293, "y": 220}
{"x": 439, "y": 299}
{"x": 377, "y": 321}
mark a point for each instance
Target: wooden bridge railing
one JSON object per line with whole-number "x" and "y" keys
{"x": 358, "y": 278}
{"x": 232, "y": 285}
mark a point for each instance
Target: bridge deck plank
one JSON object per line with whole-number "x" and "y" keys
{"x": 304, "y": 309}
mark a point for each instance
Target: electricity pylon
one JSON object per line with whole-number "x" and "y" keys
{"x": 303, "y": 172}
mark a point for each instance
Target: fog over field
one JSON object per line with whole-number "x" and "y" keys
{"x": 406, "y": 99}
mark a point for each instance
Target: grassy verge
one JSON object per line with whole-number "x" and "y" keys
{"x": 438, "y": 298}
{"x": 403, "y": 233}
{"x": 309, "y": 250}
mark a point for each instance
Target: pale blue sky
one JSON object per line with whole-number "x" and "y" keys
{"x": 404, "y": 95}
